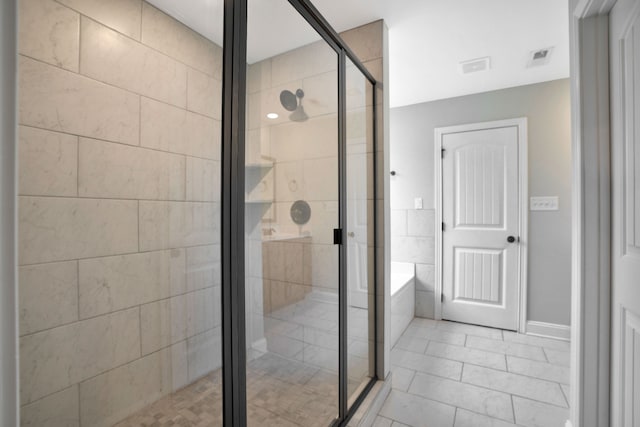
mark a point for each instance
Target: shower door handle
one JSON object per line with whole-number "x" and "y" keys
{"x": 337, "y": 236}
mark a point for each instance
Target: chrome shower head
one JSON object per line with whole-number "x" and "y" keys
{"x": 290, "y": 103}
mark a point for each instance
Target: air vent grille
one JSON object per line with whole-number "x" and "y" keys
{"x": 539, "y": 57}
{"x": 475, "y": 65}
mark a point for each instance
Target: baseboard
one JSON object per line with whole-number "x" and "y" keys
{"x": 549, "y": 330}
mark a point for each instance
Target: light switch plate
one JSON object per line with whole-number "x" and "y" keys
{"x": 549, "y": 203}
{"x": 417, "y": 203}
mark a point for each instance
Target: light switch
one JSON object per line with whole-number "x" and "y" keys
{"x": 417, "y": 203}
{"x": 544, "y": 203}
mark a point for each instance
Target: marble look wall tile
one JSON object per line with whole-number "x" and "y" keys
{"x": 421, "y": 223}
{"x": 178, "y": 224}
{"x": 309, "y": 60}
{"x": 315, "y": 138}
{"x": 204, "y": 94}
{"x": 49, "y": 32}
{"x": 203, "y": 267}
{"x": 284, "y": 294}
{"x": 203, "y": 310}
{"x": 58, "y": 358}
{"x": 203, "y": 180}
{"x": 425, "y": 277}
{"x": 59, "y": 100}
{"x": 163, "y": 323}
{"x": 365, "y": 41}
{"x": 204, "y": 353}
{"x": 321, "y": 94}
{"x": 166, "y": 34}
{"x": 425, "y": 304}
{"x": 376, "y": 68}
{"x": 48, "y": 163}
{"x": 122, "y": 15}
{"x": 321, "y": 179}
{"x": 413, "y": 249}
{"x": 48, "y": 296}
{"x": 115, "y": 59}
{"x": 108, "y": 170}
{"x": 57, "y": 410}
{"x": 56, "y": 229}
{"x": 110, "y": 397}
{"x": 259, "y": 76}
{"x": 289, "y": 181}
{"x": 168, "y": 128}
{"x": 113, "y": 283}
{"x": 179, "y": 366}
{"x": 267, "y": 101}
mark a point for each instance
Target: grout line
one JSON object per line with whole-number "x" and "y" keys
{"x": 455, "y": 415}
{"x": 513, "y": 408}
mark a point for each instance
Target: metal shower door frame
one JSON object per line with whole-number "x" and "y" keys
{"x": 234, "y": 353}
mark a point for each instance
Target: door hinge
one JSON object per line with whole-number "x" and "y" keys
{"x": 442, "y": 151}
{"x": 441, "y": 297}
{"x": 443, "y": 227}
{"x": 337, "y": 236}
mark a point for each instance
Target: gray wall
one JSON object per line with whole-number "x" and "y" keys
{"x": 547, "y": 108}
{"x": 8, "y": 324}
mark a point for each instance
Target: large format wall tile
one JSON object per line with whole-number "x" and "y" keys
{"x": 203, "y": 180}
{"x": 48, "y": 296}
{"x": 110, "y": 397}
{"x": 58, "y": 229}
{"x": 364, "y": 41}
{"x": 121, "y": 15}
{"x": 413, "y": 249}
{"x": 55, "y": 359}
{"x": 203, "y": 267}
{"x": 168, "y": 128}
{"x": 59, "y": 100}
{"x": 113, "y": 283}
{"x": 203, "y": 310}
{"x": 314, "y": 138}
{"x": 204, "y": 353}
{"x": 166, "y": 225}
{"x": 57, "y": 410}
{"x": 118, "y": 171}
{"x": 49, "y": 32}
{"x": 303, "y": 62}
{"x": 163, "y": 323}
{"x": 48, "y": 163}
{"x": 113, "y": 58}
{"x": 204, "y": 94}
{"x": 171, "y": 37}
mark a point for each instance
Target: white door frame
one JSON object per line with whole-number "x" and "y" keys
{"x": 591, "y": 207}
{"x": 523, "y": 211}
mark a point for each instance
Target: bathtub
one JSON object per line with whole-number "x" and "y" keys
{"x": 403, "y": 297}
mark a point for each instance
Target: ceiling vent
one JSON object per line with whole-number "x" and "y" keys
{"x": 539, "y": 57}
{"x": 475, "y": 65}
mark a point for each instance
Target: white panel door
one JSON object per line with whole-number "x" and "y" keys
{"x": 480, "y": 212}
{"x": 625, "y": 214}
{"x": 357, "y": 225}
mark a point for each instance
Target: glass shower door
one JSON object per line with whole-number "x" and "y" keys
{"x": 292, "y": 209}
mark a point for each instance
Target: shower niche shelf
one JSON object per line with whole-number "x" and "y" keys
{"x": 259, "y": 182}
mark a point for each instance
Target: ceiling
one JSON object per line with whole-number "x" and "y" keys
{"x": 427, "y": 38}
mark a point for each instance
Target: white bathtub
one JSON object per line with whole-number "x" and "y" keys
{"x": 403, "y": 297}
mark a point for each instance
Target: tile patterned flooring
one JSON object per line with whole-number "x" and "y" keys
{"x": 448, "y": 374}
{"x": 293, "y": 384}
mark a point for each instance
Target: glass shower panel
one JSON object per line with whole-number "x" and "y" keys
{"x": 360, "y": 230}
{"x": 119, "y": 213}
{"x": 291, "y": 210}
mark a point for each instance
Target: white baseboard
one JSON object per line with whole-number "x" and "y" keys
{"x": 549, "y": 330}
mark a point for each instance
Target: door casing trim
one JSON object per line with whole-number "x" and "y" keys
{"x": 523, "y": 211}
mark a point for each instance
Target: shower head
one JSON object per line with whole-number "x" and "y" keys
{"x": 289, "y": 101}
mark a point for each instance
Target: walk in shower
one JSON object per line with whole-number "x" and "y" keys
{"x": 123, "y": 187}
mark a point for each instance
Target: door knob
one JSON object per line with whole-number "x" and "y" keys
{"x": 511, "y": 239}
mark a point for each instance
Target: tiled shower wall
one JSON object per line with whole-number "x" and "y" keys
{"x": 412, "y": 240}
{"x": 119, "y": 144}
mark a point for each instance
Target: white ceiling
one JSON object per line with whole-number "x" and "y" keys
{"x": 427, "y": 38}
